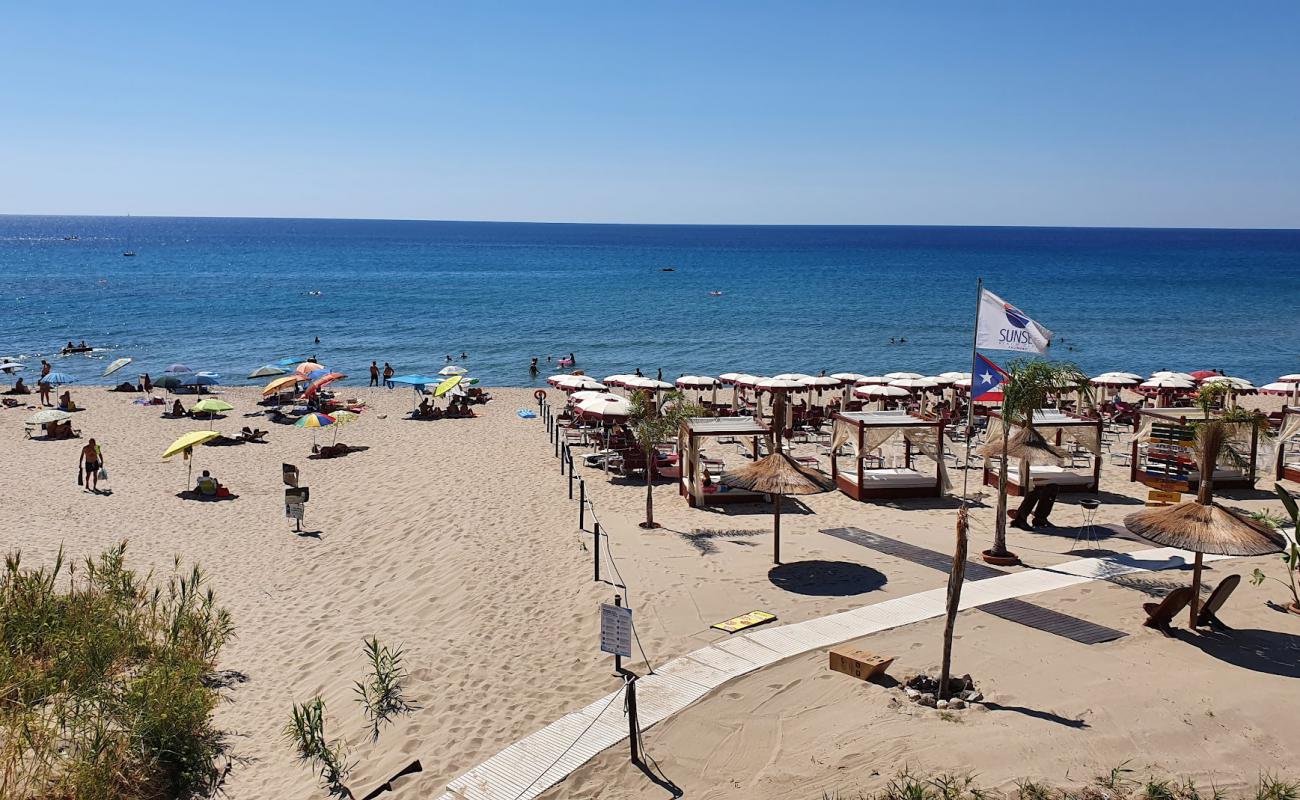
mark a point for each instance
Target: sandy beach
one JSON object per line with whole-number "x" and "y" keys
{"x": 456, "y": 539}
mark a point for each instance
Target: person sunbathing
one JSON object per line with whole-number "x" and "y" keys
{"x": 207, "y": 485}
{"x": 19, "y": 388}
{"x": 252, "y": 434}
{"x": 59, "y": 430}
{"x": 65, "y": 402}
{"x": 178, "y": 410}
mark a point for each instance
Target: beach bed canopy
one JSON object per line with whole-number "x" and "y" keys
{"x": 865, "y": 432}
{"x": 1288, "y": 445}
{"x": 1157, "y": 459}
{"x": 1039, "y": 454}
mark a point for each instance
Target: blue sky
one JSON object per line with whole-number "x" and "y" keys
{"x": 982, "y": 113}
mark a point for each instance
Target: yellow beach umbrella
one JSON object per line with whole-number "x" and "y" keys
{"x": 343, "y": 418}
{"x": 447, "y": 386}
{"x": 183, "y": 445}
{"x": 212, "y": 406}
{"x": 275, "y": 385}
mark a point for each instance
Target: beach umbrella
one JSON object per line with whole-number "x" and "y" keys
{"x": 849, "y": 377}
{"x": 316, "y": 373}
{"x": 730, "y": 377}
{"x": 308, "y": 367}
{"x": 791, "y": 376}
{"x": 341, "y": 418}
{"x": 616, "y": 380}
{"x": 1130, "y": 375}
{"x": 1293, "y": 378}
{"x": 914, "y": 383}
{"x": 415, "y": 380}
{"x": 1204, "y": 528}
{"x": 186, "y": 444}
{"x": 1114, "y": 380}
{"x": 606, "y": 407}
{"x": 588, "y": 394}
{"x": 1177, "y": 384}
{"x": 321, "y": 381}
{"x": 696, "y": 382}
{"x": 199, "y": 379}
{"x": 452, "y": 369}
{"x": 47, "y": 416}
{"x": 1164, "y": 373}
{"x": 177, "y": 369}
{"x": 902, "y": 376}
{"x": 289, "y": 362}
{"x": 1280, "y": 388}
{"x": 572, "y": 383}
{"x": 8, "y": 365}
{"x": 953, "y": 377}
{"x": 211, "y": 406}
{"x": 267, "y": 371}
{"x": 167, "y": 382}
{"x": 650, "y": 384}
{"x": 873, "y": 380}
{"x": 447, "y": 386}
{"x": 1202, "y": 374}
{"x": 278, "y": 384}
{"x": 115, "y": 366}
{"x": 876, "y": 391}
{"x": 1233, "y": 383}
{"x": 777, "y": 475}
{"x": 821, "y": 382}
{"x": 57, "y": 379}
{"x": 778, "y": 385}
{"x": 314, "y": 420}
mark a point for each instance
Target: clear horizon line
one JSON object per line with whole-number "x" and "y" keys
{"x": 665, "y": 224}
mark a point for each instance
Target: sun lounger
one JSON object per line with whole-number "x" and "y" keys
{"x": 1159, "y": 615}
{"x": 1208, "y": 612}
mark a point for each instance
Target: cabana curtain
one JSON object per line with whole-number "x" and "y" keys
{"x": 926, "y": 442}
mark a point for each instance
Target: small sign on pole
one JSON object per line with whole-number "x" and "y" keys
{"x": 1159, "y": 498}
{"x": 616, "y": 630}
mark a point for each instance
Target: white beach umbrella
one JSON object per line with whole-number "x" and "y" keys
{"x": 940, "y": 380}
{"x": 607, "y": 407}
{"x": 1164, "y": 373}
{"x": 616, "y": 380}
{"x": 876, "y": 391}
{"x": 962, "y": 383}
{"x": 748, "y": 381}
{"x": 589, "y": 394}
{"x": 650, "y": 384}
{"x": 115, "y": 366}
{"x": 730, "y": 377}
{"x": 47, "y": 416}
{"x": 953, "y": 377}
{"x": 452, "y": 369}
{"x": 1115, "y": 380}
{"x": 1130, "y": 375}
{"x": 791, "y": 376}
{"x": 914, "y": 383}
{"x": 778, "y": 384}
{"x": 697, "y": 382}
{"x": 872, "y": 380}
{"x": 1292, "y": 378}
{"x": 1235, "y": 383}
{"x": 1167, "y": 383}
{"x": 1278, "y": 387}
{"x": 903, "y": 376}
{"x": 9, "y": 366}
{"x": 849, "y": 377}
{"x": 821, "y": 382}
{"x": 573, "y": 383}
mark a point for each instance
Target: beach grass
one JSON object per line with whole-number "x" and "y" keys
{"x": 106, "y": 686}
{"x": 1115, "y": 785}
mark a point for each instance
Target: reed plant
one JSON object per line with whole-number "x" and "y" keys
{"x": 381, "y": 693}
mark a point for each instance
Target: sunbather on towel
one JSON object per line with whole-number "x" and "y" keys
{"x": 207, "y": 485}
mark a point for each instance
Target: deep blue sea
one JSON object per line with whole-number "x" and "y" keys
{"x": 230, "y": 294}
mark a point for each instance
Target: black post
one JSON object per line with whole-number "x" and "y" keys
{"x": 618, "y": 660}
{"x": 582, "y": 504}
{"x": 595, "y": 549}
{"x": 633, "y": 724}
{"x": 570, "y": 479}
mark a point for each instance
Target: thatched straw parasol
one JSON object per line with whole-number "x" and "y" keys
{"x": 1204, "y": 528}
{"x": 777, "y": 475}
{"x": 1025, "y": 444}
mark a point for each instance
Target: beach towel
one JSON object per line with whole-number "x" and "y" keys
{"x": 525, "y": 413}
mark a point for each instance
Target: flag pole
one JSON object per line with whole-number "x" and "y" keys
{"x": 970, "y": 406}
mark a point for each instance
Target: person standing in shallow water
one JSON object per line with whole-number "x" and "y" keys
{"x": 374, "y": 374}
{"x": 532, "y": 368}
{"x": 388, "y": 375}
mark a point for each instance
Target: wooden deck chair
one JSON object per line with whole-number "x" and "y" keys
{"x": 1159, "y": 615}
{"x": 1208, "y": 612}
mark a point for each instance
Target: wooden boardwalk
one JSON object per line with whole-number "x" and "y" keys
{"x": 533, "y": 764}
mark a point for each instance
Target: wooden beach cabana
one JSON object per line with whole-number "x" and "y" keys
{"x": 866, "y": 432}
{"x": 1163, "y": 457}
{"x": 690, "y": 439}
{"x": 1056, "y": 427}
{"x": 1288, "y": 445}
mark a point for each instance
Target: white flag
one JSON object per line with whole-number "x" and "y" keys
{"x": 1004, "y": 327}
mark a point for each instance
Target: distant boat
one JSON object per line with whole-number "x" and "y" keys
{"x": 715, "y": 294}
{"x": 71, "y": 238}
{"x": 667, "y": 269}
{"x": 128, "y": 252}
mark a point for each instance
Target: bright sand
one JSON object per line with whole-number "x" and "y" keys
{"x": 456, "y": 539}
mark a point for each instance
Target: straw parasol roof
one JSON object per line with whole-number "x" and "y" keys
{"x": 1205, "y": 529}
{"x": 1027, "y": 444}
{"x": 778, "y": 473}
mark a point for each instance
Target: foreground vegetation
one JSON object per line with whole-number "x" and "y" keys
{"x": 1121, "y": 783}
{"x": 106, "y": 682}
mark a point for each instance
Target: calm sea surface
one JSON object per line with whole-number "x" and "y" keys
{"x": 230, "y": 294}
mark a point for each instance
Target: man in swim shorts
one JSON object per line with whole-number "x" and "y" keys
{"x": 92, "y": 458}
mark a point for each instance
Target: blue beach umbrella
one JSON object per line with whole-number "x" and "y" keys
{"x": 416, "y": 380}
{"x": 317, "y": 373}
{"x": 57, "y": 379}
{"x": 289, "y": 362}
{"x": 200, "y": 379}
{"x": 177, "y": 369}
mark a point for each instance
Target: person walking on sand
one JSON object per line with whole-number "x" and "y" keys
{"x": 92, "y": 458}
{"x": 374, "y": 374}
{"x": 44, "y": 387}
{"x": 388, "y": 375}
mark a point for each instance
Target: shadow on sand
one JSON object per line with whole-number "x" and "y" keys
{"x": 190, "y": 494}
{"x": 1257, "y": 650}
{"x": 826, "y": 578}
